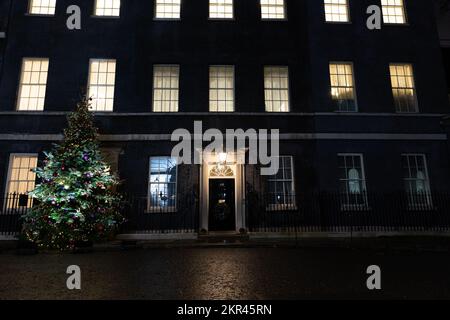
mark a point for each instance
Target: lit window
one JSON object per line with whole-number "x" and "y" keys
{"x": 393, "y": 11}
{"x": 42, "y": 7}
{"x": 352, "y": 180}
{"x": 33, "y": 84}
{"x": 102, "y": 77}
{"x": 342, "y": 87}
{"x": 165, "y": 88}
{"x": 21, "y": 178}
{"x": 221, "y": 9}
{"x": 162, "y": 187}
{"x": 416, "y": 181}
{"x": 336, "y": 11}
{"x": 109, "y": 8}
{"x": 276, "y": 89}
{"x": 281, "y": 189}
{"x": 168, "y": 9}
{"x": 221, "y": 89}
{"x": 403, "y": 88}
{"x": 273, "y": 9}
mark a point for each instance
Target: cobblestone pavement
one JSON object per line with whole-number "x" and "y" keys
{"x": 226, "y": 273}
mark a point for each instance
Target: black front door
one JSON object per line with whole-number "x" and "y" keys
{"x": 221, "y": 205}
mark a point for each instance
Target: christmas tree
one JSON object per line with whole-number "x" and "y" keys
{"x": 76, "y": 201}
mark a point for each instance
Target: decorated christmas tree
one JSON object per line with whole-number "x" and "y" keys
{"x": 76, "y": 201}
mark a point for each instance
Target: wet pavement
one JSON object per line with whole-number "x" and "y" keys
{"x": 226, "y": 273}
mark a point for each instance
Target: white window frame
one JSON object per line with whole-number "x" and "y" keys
{"x": 164, "y": 89}
{"x": 386, "y": 7}
{"x": 327, "y": 4}
{"x": 284, "y": 18}
{"x": 30, "y": 7}
{"x": 346, "y": 204}
{"x": 21, "y": 84}
{"x": 155, "y": 16}
{"x": 221, "y": 18}
{"x": 95, "y": 14}
{"x": 156, "y": 209}
{"x": 355, "y": 95}
{"x": 413, "y": 202}
{"x": 218, "y": 89}
{"x": 6, "y": 204}
{"x": 413, "y": 80}
{"x": 101, "y": 85}
{"x": 291, "y": 205}
{"x": 279, "y": 89}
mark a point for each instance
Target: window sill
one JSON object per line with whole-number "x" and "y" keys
{"x": 281, "y": 207}
{"x": 154, "y": 210}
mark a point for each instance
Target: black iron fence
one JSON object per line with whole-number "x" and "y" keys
{"x": 308, "y": 212}
{"x": 364, "y": 212}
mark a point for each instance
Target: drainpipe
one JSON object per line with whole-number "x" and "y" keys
{"x": 5, "y": 38}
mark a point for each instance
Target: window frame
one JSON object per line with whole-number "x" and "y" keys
{"x": 233, "y": 18}
{"x": 288, "y": 88}
{"x": 89, "y": 82}
{"x": 94, "y": 15}
{"x": 292, "y": 206}
{"x": 346, "y": 204}
{"x": 234, "y": 88}
{"x": 285, "y": 13}
{"x": 413, "y": 205}
{"x": 416, "y": 99}
{"x": 355, "y": 94}
{"x": 405, "y": 16}
{"x": 19, "y": 86}
{"x": 8, "y": 176}
{"x": 155, "y": 18}
{"x": 156, "y": 209}
{"x": 29, "y": 7}
{"x": 349, "y": 16}
{"x": 153, "y": 88}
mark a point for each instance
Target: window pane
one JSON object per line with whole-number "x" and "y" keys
{"x": 280, "y": 187}
{"x": 352, "y": 181}
{"x": 21, "y": 178}
{"x": 416, "y": 180}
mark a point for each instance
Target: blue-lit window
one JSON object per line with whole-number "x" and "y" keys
{"x": 162, "y": 190}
